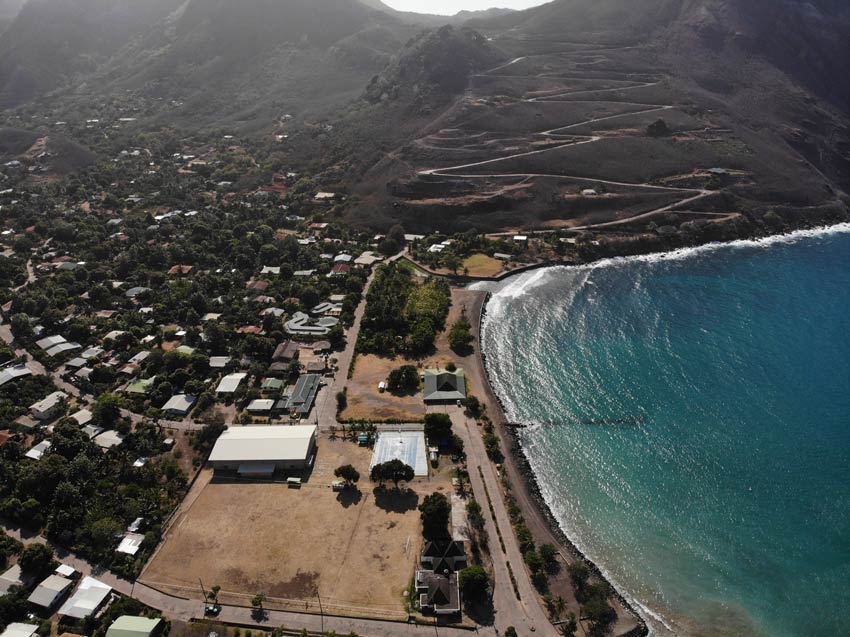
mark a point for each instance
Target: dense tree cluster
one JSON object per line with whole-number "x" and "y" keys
{"x": 394, "y": 471}
{"x": 403, "y": 317}
{"x": 84, "y": 499}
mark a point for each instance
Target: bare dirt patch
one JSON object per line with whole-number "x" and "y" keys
{"x": 357, "y": 549}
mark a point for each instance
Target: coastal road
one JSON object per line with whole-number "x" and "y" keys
{"x": 525, "y": 613}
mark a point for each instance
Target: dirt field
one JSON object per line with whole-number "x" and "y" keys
{"x": 357, "y": 549}
{"x": 365, "y": 402}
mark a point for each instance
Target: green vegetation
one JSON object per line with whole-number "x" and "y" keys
{"x": 394, "y": 471}
{"x": 438, "y": 427}
{"x": 8, "y": 547}
{"x": 347, "y": 473}
{"x": 435, "y": 511}
{"x": 83, "y": 499}
{"x": 474, "y": 583}
{"x": 404, "y": 380}
{"x": 401, "y": 316}
{"x": 460, "y": 336}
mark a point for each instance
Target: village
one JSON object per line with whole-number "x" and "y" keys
{"x": 276, "y": 412}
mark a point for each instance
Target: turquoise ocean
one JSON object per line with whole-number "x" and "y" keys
{"x": 689, "y": 426}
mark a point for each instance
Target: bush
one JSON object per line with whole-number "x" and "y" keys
{"x": 36, "y": 559}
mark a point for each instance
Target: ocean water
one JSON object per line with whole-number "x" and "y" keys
{"x": 690, "y": 426}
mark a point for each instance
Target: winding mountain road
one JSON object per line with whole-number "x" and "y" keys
{"x": 689, "y": 195}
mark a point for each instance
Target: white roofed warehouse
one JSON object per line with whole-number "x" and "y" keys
{"x": 261, "y": 450}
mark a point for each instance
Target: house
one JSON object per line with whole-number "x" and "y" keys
{"x": 442, "y": 386}
{"x": 48, "y": 407}
{"x": 50, "y": 591}
{"x": 131, "y": 543}
{"x": 438, "y": 592}
{"x": 501, "y": 256}
{"x": 179, "y": 405}
{"x": 437, "y": 581}
{"x": 13, "y": 373}
{"x": 12, "y": 577}
{"x": 141, "y": 387}
{"x": 108, "y": 439}
{"x": 180, "y": 270}
{"x": 301, "y": 324}
{"x": 260, "y": 450}
{"x": 38, "y": 451}
{"x": 272, "y": 385}
{"x": 83, "y": 417}
{"x": 132, "y": 293}
{"x": 286, "y": 352}
{"x": 340, "y": 269}
{"x": 219, "y": 362}
{"x": 368, "y": 259}
{"x": 270, "y": 269}
{"x": 261, "y": 406}
{"x": 230, "y": 383}
{"x": 303, "y": 395}
{"x": 257, "y": 287}
{"x": 303, "y": 274}
{"x": 16, "y": 629}
{"x": 89, "y": 597}
{"x": 130, "y": 626}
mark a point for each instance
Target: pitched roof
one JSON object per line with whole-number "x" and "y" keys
{"x": 442, "y": 385}
{"x": 89, "y": 596}
{"x": 273, "y": 443}
{"x": 130, "y": 626}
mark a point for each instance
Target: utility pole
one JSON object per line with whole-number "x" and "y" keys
{"x": 321, "y": 611}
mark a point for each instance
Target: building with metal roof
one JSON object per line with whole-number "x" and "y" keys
{"x": 90, "y": 595}
{"x": 230, "y": 383}
{"x": 17, "y": 629}
{"x": 50, "y": 591}
{"x": 130, "y": 626}
{"x": 11, "y": 373}
{"x": 300, "y": 402}
{"x": 260, "y": 450}
{"x": 179, "y": 404}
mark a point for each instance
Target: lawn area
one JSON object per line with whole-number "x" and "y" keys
{"x": 483, "y": 265}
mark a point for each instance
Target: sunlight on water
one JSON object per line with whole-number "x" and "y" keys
{"x": 694, "y": 438}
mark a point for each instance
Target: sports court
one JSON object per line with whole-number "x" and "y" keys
{"x": 407, "y": 446}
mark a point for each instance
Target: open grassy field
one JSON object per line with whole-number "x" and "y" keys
{"x": 483, "y": 265}
{"x": 357, "y": 549}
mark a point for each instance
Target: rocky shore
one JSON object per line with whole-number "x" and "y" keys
{"x": 526, "y": 490}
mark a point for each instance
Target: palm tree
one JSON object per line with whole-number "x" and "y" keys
{"x": 560, "y": 605}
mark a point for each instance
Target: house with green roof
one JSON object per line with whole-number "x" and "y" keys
{"x": 443, "y": 386}
{"x": 142, "y": 386}
{"x": 131, "y": 626}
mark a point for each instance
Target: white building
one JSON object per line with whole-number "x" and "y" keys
{"x": 260, "y": 450}
{"x": 230, "y": 383}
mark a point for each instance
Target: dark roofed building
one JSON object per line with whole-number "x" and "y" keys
{"x": 284, "y": 354}
{"x": 437, "y": 582}
{"x": 442, "y": 386}
{"x": 301, "y": 401}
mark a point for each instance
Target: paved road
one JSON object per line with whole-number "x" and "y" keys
{"x": 525, "y": 613}
{"x": 325, "y": 411}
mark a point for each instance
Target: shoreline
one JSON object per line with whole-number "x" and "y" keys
{"x": 526, "y": 488}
